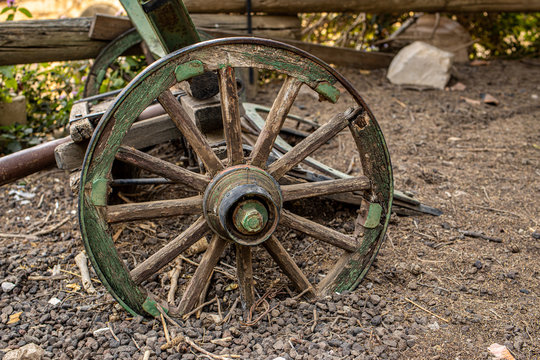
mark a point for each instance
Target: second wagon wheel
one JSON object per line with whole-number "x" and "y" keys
{"x": 251, "y": 202}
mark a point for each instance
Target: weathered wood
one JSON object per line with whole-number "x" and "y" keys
{"x": 142, "y": 134}
{"x": 230, "y": 114}
{"x": 288, "y": 266}
{"x": 28, "y": 161}
{"x": 307, "y": 146}
{"x": 170, "y": 251}
{"x": 106, "y": 27}
{"x": 274, "y": 121}
{"x": 191, "y": 133}
{"x": 322, "y": 188}
{"x": 164, "y": 168}
{"x": 244, "y": 273}
{"x": 32, "y": 41}
{"x": 385, "y": 6}
{"x": 202, "y": 274}
{"x": 318, "y": 231}
{"x": 154, "y": 209}
{"x": 331, "y": 54}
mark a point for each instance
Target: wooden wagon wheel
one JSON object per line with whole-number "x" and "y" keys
{"x": 239, "y": 200}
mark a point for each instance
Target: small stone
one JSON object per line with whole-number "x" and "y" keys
{"x": 27, "y": 352}
{"x": 376, "y": 320}
{"x": 421, "y": 64}
{"x": 375, "y": 299}
{"x": 278, "y": 345}
{"x": 7, "y": 286}
{"x": 478, "y": 264}
{"x": 536, "y": 235}
{"x": 524, "y": 291}
{"x": 514, "y": 248}
{"x": 54, "y": 301}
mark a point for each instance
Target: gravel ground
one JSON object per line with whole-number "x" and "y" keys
{"x": 433, "y": 293}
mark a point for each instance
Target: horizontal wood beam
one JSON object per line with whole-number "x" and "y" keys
{"x": 30, "y": 41}
{"x": 383, "y": 6}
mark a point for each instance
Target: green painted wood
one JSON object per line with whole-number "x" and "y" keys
{"x": 172, "y": 23}
{"x": 376, "y": 165}
{"x": 144, "y": 27}
{"x": 328, "y": 91}
{"x": 159, "y": 77}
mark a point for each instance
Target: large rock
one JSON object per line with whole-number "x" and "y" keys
{"x": 27, "y": 352}
{"x": 421, "y": 64}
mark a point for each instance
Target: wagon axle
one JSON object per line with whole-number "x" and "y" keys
{"x": 243, "y": 204}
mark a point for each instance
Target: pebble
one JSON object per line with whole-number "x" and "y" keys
{"x": 7, "y": 286}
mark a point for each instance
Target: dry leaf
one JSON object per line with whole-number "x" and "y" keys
{"x": 231, "y": 287}
{"x": 74, "y": 287}
{"x": 14, "y": 318}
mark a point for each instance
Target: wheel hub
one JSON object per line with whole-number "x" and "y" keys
{"x": 243, "y": 204}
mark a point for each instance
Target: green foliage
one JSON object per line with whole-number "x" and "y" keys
{"x": 50, "y": 90}
{"x": 121, "y": 72}
{"x": 509, "y": 35}
{"x": 359, "y": 31}
{"x": 11, "y": 10}
{"x": 497, "y": 34}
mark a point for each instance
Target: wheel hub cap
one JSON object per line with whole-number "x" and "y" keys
{"x": 243, "y": 204}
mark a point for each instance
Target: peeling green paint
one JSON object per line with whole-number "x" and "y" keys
{"x": 151, "y": 307}
{"x": 328, "y": 91}
{"x": 374, "y": 216}
{"x": 99, "y": 192}
{"x": 188, "y": 70}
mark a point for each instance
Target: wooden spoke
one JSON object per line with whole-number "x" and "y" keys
{"x": 170, "y": 251}
{"x": 231, "y": 115}
{"x": 154, "y": 209}
{"x": 274, "y": 121}
{"x": 312, "y": 143}
{"x": 320, "y": 188}
{"x": 244, "y": 271}
{"x": 161, "y": 167}
{"x": 202, "y": 274}
{"x": 190, "y": 132}
{"x": 318, "y": 231}
{"x": 288, "y": 266}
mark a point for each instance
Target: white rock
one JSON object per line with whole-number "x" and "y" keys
{"x": 54, "y": 301}
{"x": 7, "y": 286}
{"x": 421, "y": 64}
{"x": 27, "y": 352}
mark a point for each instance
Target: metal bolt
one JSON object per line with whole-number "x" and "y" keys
{"x": 250, "y": 217}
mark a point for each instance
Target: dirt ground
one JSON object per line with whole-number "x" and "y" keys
{"x": 435, "y": 291}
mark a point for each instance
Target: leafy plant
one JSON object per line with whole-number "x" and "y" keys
{"x": 12, "y": 9}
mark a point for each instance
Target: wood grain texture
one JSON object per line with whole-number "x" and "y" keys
{"x": 385, "y": 6}
{"x": 154, "y": 209}
{"x": 164, "y": 168}
{"x": 30, "y": 41}
{"x": 202, "y": 274}
{"x": 142, "y": 134}
{"x": 191, "y": 133}
{"x": 321, "y": 188}
{"x": 318, "y": 231}
{"x": 230, "y": 114}
{"x": 315, "y": 140}
{"x": 244, "y": 272}
{"x": 274, "y": 121}
{"x": 170, "y": 251}
{"x": 288, "y": 266}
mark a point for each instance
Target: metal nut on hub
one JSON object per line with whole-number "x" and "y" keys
{"x": 250, "y": 217}
{"x": 243, "y": 204}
